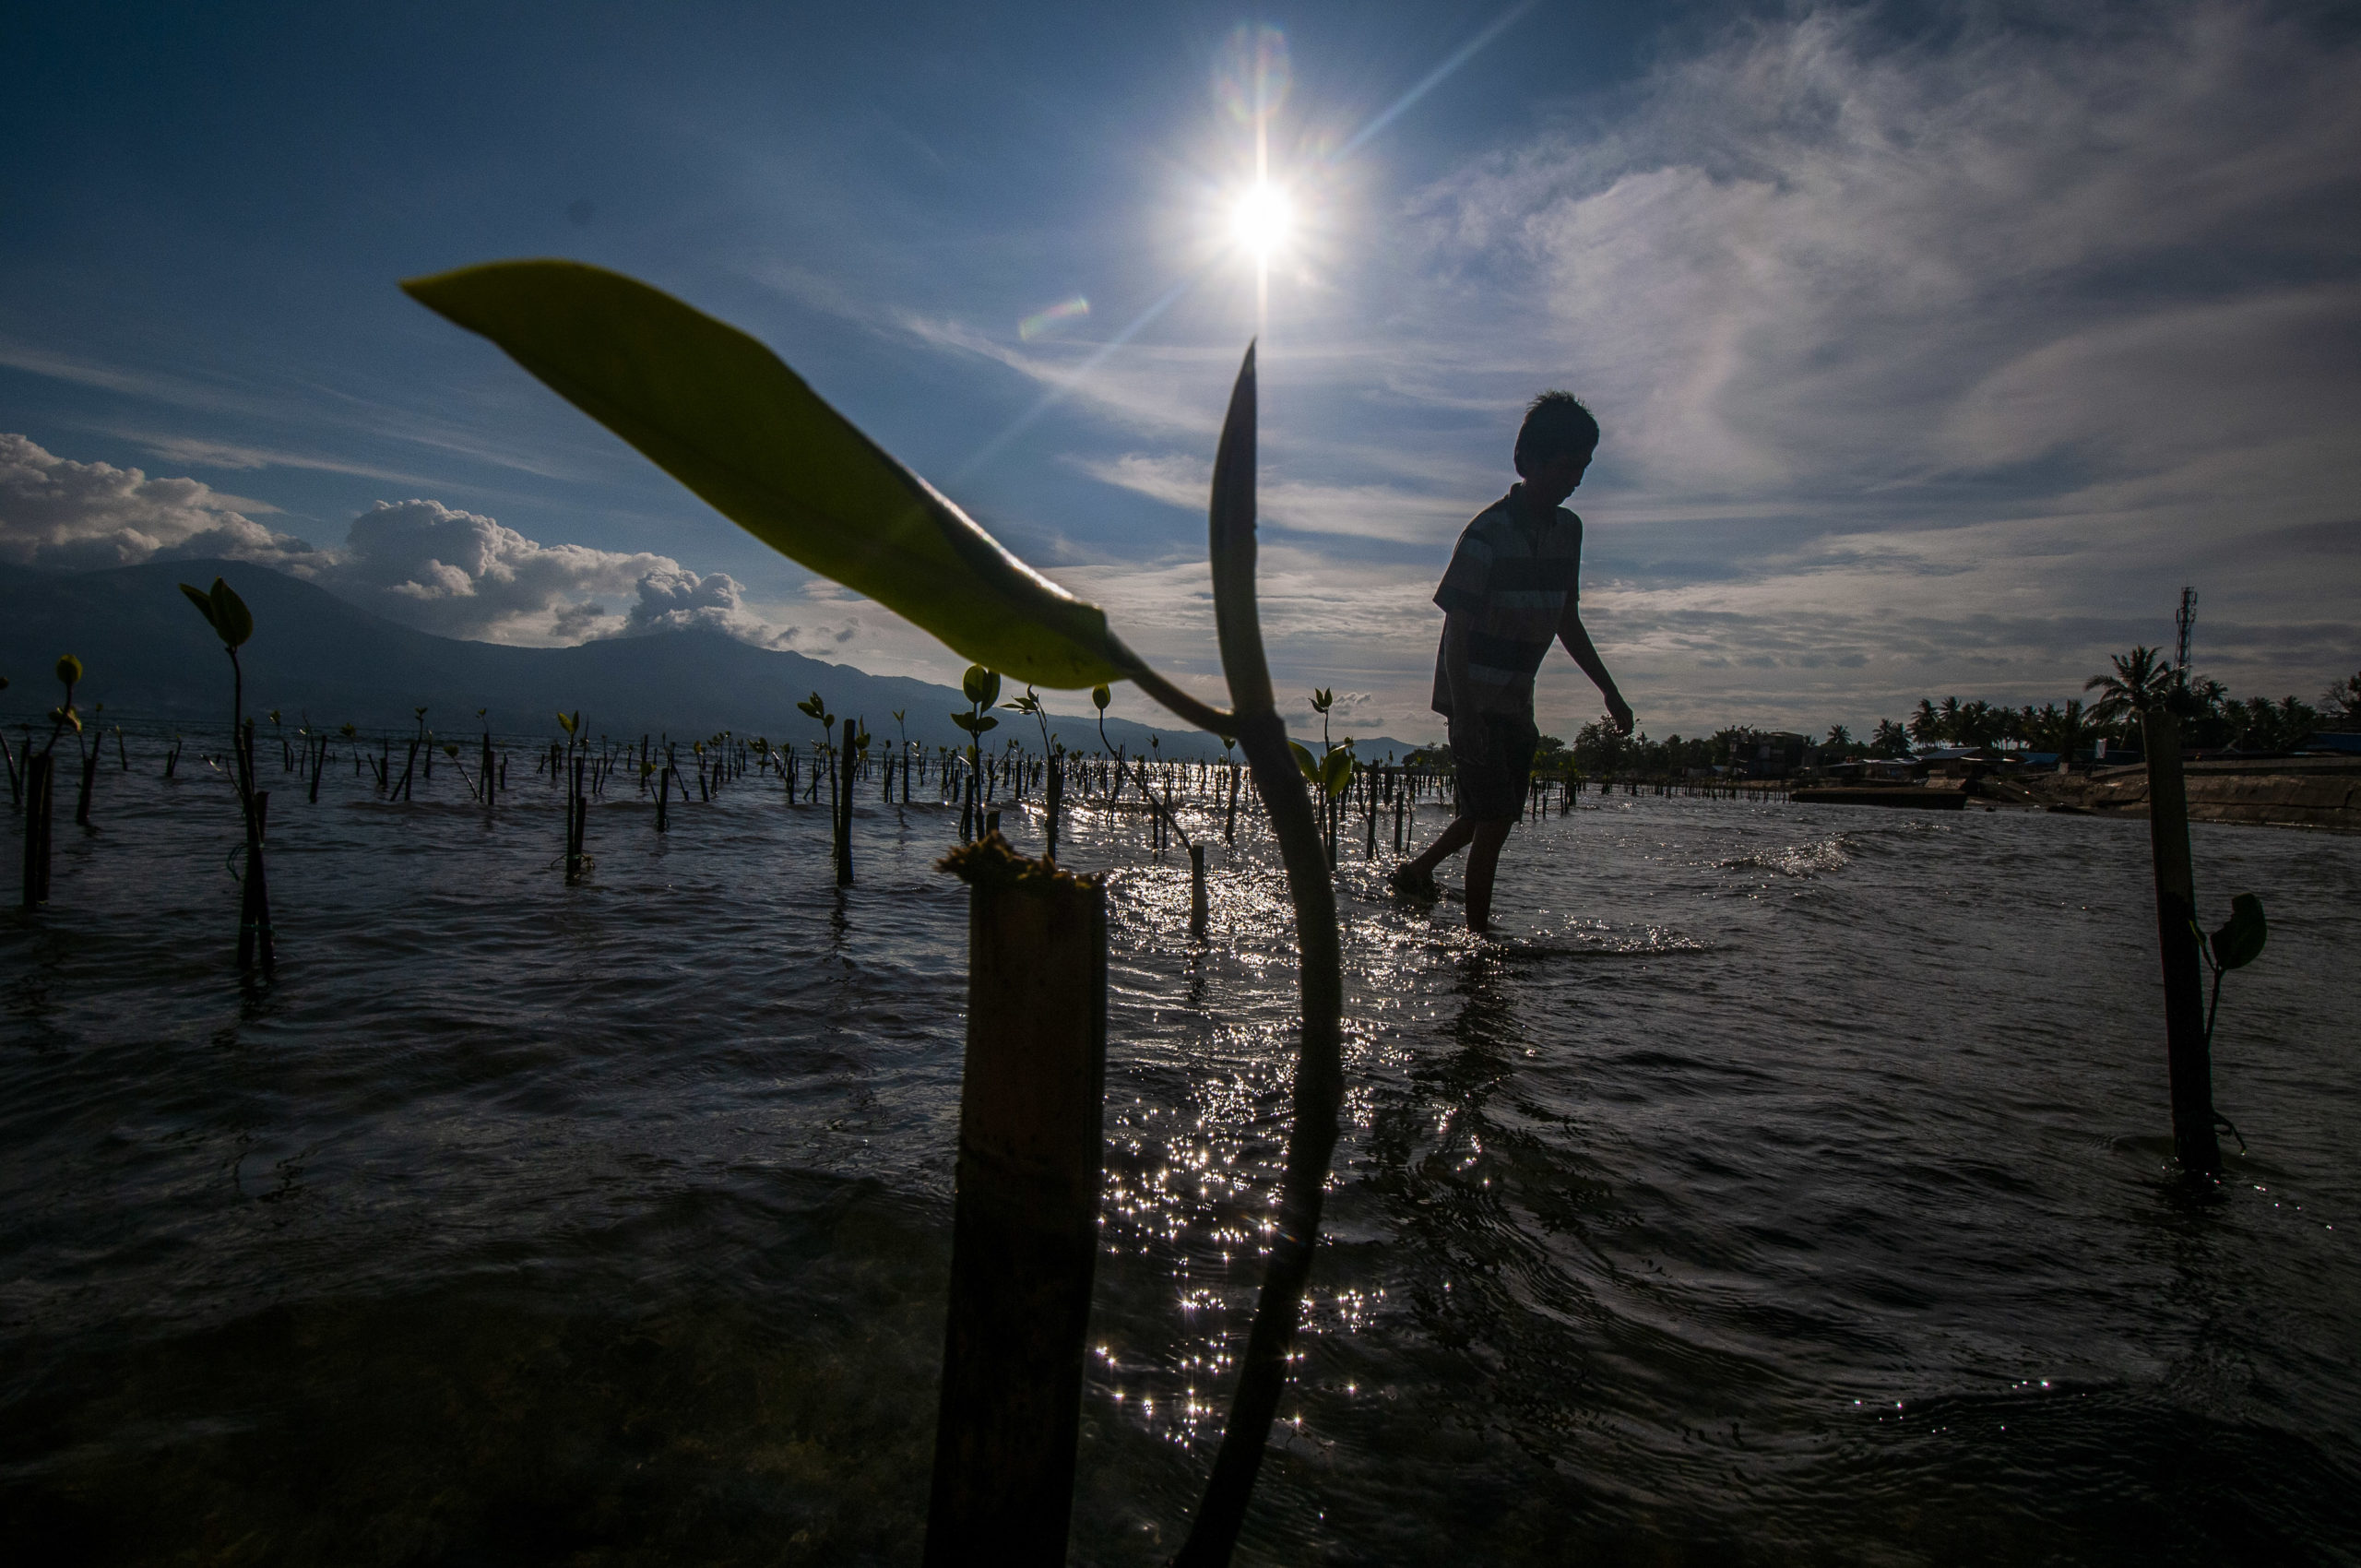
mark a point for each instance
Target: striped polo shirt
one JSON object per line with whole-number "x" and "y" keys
{"x": 1510, "y": 582}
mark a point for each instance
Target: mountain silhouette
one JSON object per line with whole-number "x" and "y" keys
{"x": 149, "y": 656}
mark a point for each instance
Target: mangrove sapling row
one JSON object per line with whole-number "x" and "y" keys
{"x": 1164, "y": 819}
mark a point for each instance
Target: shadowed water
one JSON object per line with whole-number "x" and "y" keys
{"x": 1789, "y": 1186}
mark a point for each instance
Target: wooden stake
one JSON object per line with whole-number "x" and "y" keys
{"x": 40, "y": 773}
{"x": 2187, "y": 1059}
{"x": 1024, "y": 1228}
{"x": 1196, "y": 892}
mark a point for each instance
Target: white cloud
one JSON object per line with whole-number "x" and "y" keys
{"x": 63, "y": 515}
{"x": 1360, "y": 511}
{"x": 418, "y": 561}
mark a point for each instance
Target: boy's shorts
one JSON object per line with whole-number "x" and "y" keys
{"x": 1492, "y": 753}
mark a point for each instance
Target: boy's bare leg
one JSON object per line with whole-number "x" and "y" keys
{"x": 1455, "y": 836}
{"x": 1482, "y": 862}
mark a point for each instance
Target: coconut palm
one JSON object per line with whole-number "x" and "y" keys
{"x": 2140, "y": 680}
{"x": 2342, "y": 702}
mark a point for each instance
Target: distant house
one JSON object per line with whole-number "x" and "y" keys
{"x": 1771, "y": 755}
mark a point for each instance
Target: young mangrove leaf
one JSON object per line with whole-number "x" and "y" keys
{"x": 2239, "y": 942}
{"x": 722, "y": 414}
{"x": 1337, "y": 770}
{"x": 1305, "y": 763}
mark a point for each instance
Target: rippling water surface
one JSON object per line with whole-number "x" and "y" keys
{"x": 1789, "y": 1186}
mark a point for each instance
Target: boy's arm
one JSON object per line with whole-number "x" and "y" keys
{"x": 1455, "y": 665}
{"x": 1571, "y": 633}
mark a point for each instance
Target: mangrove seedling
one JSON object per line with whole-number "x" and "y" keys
{"x": 839, "y": 830}
{"x": 981, "y": 688}
{"x": 235, "y": 623}
{"x": 41, "y": 777}
{"x": 2237, "y": 943}
{"x": 719, "y": 411}
{"x": 577, "y": 805}
{"x": 1164, "y": 815}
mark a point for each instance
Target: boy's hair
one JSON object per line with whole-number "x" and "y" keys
{"x": 1556, "y": 422}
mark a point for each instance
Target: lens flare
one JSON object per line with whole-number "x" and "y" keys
{"x": 1252, "y": 73}
{"x": 1032, "y": 326}
{"x": 1261, "y": 220}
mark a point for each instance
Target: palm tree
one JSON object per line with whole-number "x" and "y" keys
{"x": 2141, "y": 680}
{"x": 1889, "y": 740}
{"x": 1926, "y": 727}
{"x": 1839, "y": 736}
{"x": 2342, "y": 702}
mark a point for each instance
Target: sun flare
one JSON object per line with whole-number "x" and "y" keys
{"x": 1261, "y": 220}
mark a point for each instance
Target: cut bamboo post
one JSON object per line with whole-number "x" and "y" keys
{"x": 1196, "y": 892}
{"x": 1025, "y": 1226}
{"x": 82, "y": 797}
{"x": 41, "y": 772}
{"x": 256, "y": 946}
{"x": 2187, "y": 1059}
{"x": 844, "y": 808}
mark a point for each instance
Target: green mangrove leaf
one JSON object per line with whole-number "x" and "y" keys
{"x": 69, "y": 669}
{"x": 2239, "y": 942}
{"x": 719, "y": 413}
{"x": 230, "y": 617}
{"x": 204, "y": 602}
{"x": 449, "y": 749}
{"x": 981, "y": 687}
{"x": 1337, "y": 771}
{"x": 1102, "y": 696}
{"x": 1305, "y": 763}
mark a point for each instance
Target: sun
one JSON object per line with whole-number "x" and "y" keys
{"x": 1261, "y": 220}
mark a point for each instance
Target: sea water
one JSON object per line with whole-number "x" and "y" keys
{"x": 1784, "y": 1184}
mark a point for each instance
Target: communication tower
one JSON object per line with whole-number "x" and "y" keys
{"x": 2186, "y": 622}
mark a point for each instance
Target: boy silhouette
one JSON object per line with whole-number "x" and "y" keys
{"x": 1510, "y": 588}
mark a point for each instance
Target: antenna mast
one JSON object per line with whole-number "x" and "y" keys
{"x": 2185, "y": 621}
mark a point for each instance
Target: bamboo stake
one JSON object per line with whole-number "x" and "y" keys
{"x": 1024, "y": 1228}
{"x": 2189, "y": 1062}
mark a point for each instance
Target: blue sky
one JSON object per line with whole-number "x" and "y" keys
{"x": 1936, "y": 347}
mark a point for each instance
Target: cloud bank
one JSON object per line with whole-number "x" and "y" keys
{"x": 420, "y": 563}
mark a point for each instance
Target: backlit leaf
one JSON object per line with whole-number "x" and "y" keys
{"x": 230, "y": 616}
{"x": 2240, "y": 940}
{"x": 719, "y": 413}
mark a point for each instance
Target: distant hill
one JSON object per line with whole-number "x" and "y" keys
{"x": 149, "y": 656}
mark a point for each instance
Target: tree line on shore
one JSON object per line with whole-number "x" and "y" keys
{"x": 2211, "y": 719}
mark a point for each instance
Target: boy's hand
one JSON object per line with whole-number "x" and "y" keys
{"x": 1619, "y": 712}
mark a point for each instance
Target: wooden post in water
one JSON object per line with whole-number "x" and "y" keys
{"x": 844, "y": 809}
{"x": 256, "y": 948}
{"x": 2188, "y": 1060}
{"x": 82, "y": 797}
{"x": 40, "y": 773}
{"x": 1024, "y": 1228}
{"x": 1196, "y": 892}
